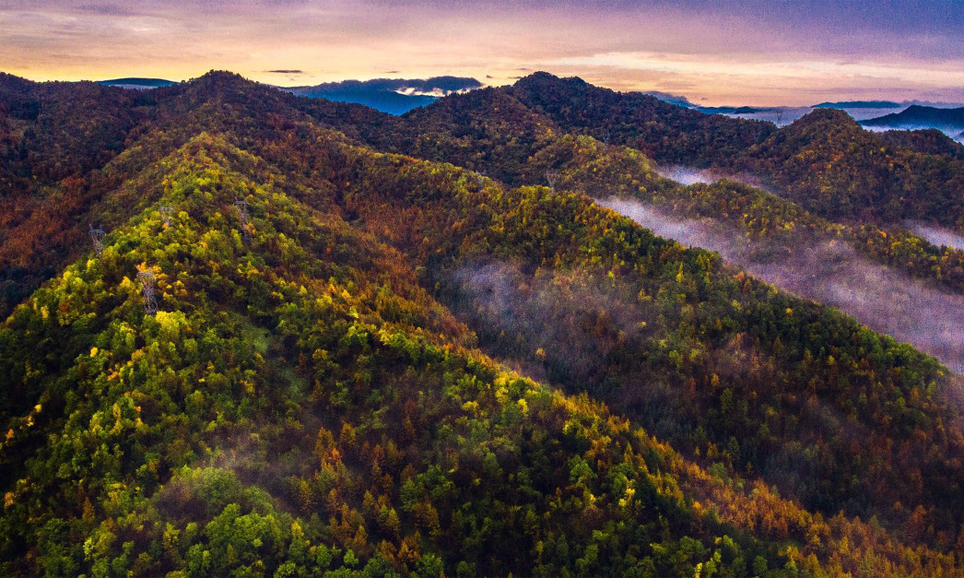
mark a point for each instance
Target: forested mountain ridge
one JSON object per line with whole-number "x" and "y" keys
{"x": 930, "y": 141}
{"x": 824, "y": 160}
{"x": 662, "y": 131}
{"x": 170, "y": 420}
{"x": 46, "y": 219}
{"x": 859, "y": 175}
{"x": 341, "y": 339}
{"x": 474, "y": 131}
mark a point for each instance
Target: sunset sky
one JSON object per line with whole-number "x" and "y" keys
{"x": 792, "y": 52}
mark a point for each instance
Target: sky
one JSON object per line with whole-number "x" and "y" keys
{"x": 715, "y": 52}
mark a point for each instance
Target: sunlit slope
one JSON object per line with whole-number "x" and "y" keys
{"x": 299, "y": 404}
{"x": 67, "y": 145}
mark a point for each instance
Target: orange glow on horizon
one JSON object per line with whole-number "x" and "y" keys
{"x": 711, "y": 61}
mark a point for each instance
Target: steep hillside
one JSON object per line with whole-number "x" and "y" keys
{"x": 494, "y": 133}
{"x": 164, "y": 423}
{"x": 53, "y": 138}
{"x": 564, "y": 288}
{"x": 45, "y": 222}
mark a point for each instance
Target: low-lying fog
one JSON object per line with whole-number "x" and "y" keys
{"x": 938, "y": 236}
{"x": 951, "y": 133}
{"x": 829, "y": 272}
{"x": 690, "y": 176}
{"x": 784, "y": 115}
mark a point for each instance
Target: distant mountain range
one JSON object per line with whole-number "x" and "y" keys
{"x": 397, "y": 96}
{"x": 394, "y": 96}
{"x": 735, "y": 109}
{"x": 859, "y": 104}
{"x": 137, "y": 83}
{"x": 684, "y": 102}
{"x": 921, "y": 117}
{"x": 870, "y": 113}
{"x": 782, "y": 115}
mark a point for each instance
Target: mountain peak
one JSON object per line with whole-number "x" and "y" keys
{"x": 218, "y": 86}
{"x": 221, "y": 77}
{"x": 825, "y": 115}
{"x": 542, "y": 78}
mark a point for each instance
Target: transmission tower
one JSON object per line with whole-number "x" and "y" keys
{"x": 242, "y": 207}
{"x": 97, "y": 237}
{"x": 605, "y": 137}
{"x": 148, "y": 287}
{"x": 551, "y": 178}
{"x": 167, "y": 212}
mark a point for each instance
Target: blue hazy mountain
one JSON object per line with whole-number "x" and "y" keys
{"x": 846, "y": 104}
{"x": 735, "y": 109}
{"x": 684, "y": 102}
{"x": 917, "y": 116}
{"x": 676, "y": 99}
{"x": 391, "y": 95}
{"x": 137, "y": 83}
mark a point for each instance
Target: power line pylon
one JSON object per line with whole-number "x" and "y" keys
{"x": 149, "y": 289}
{"x": 97, "y": 237}
{"x": 242, "y": 206}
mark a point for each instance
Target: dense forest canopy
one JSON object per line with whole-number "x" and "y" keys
{"x": 384, "y": 347}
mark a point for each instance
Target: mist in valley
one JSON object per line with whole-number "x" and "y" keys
{"x": 830, "y": 272}
{"x": 935, "y": 235}
{"x": 574, "y": 319}
{"x": 688, "y": 175}
{"x": 784, "y": 115}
